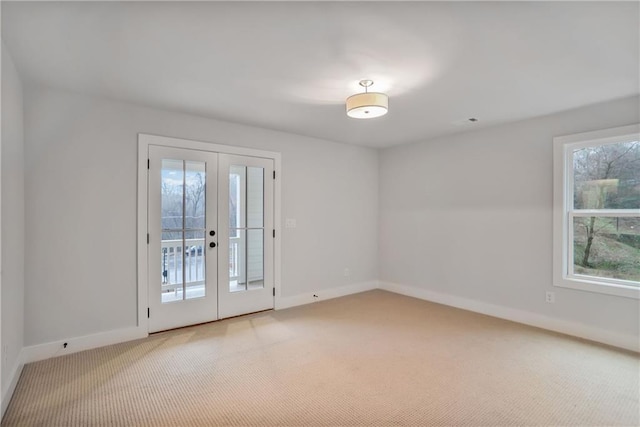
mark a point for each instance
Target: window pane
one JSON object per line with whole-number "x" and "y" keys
{"x": 607, "y": 247}
{"x": 607, "y": 176}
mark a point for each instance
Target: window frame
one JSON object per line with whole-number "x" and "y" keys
{"x": 564, "y": 212}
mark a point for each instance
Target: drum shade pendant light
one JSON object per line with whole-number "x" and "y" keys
{"x": 367, "y": 105}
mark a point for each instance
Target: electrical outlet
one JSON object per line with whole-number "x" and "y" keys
{"x": 347, "y": 272}
{"x": 550, "y": 297}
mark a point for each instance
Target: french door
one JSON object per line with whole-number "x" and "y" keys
{"x": 246, "y": 227}
{"x": 210, "y": 247}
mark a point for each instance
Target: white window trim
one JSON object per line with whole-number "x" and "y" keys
{"x": 562, "y": 233}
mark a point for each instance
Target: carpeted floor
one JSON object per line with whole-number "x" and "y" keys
{"x": 374, "y": 358}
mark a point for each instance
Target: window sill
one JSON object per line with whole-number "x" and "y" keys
{"x": 584, "y": 284}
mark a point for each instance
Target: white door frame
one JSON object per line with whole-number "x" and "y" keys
{"x": 144, "y": 141}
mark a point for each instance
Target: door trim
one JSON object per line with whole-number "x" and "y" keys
{"x": 144, "y": 141}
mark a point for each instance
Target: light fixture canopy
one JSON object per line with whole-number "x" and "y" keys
{"x": 367, "y": 105}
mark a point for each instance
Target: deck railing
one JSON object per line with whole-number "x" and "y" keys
{"x": 194, "y": 261}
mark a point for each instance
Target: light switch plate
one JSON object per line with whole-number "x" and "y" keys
{"x": 290, "y": 223}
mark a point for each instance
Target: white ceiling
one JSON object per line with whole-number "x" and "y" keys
{"x": 290, "y": 66}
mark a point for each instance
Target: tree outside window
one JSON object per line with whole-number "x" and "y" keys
{"x": 605, "y": 216}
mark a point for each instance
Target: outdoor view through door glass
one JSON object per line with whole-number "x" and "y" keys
{"x": 183, "y": 230}
{"x": 605, "y": 218}
{"x": 246, "y": 228}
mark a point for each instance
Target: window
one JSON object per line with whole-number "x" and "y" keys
{"x": 597, "y": 211}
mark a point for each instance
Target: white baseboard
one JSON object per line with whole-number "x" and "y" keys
{"x": 628, "y": 342}
{"x": 7, "y": 393}
{"x": 53, "y": 349}
{"x": 325, "y": 294}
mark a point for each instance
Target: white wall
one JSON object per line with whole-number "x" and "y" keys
{"x": 466, "y": 215}
{"x": 12, "y": 231}
{"x": 80, "y": 160}
{"x": 470, "y": 216}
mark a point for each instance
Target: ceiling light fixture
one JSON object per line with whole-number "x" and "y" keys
{"x": 367, "y": 105}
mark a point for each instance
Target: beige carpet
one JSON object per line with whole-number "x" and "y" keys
{"x": 369, "y": 359}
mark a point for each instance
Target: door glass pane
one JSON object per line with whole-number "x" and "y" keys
{"x": 171, "y": 265}
{"x": 183, "y": 230}
{"x": 246, "y": 266}
{"x": 255, "y": 256}
{"x": 194, "y": 195}
{"x": 172, "y": 192}
{"x": 246, "y": 228}
{"x": 255, "y": 197}
{"x": 194, "y": 264}
{"x": 237, "y": 196}
{"x": 237, "y": 261}
{"x": 234, "y": 202}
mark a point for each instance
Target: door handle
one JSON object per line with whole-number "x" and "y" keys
{"x": 212, "y": 245}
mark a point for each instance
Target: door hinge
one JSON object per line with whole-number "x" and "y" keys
{"x": 148, "y": 312}
{"x": 274, "y": 174}
{"x": 148, "y": 164}
{"x": 147, "y": 238}
{"x": 274, "y": 233}
{"x": 274, "y": 291}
